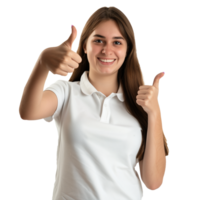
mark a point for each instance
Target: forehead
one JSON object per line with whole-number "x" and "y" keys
{"x": 109, "y": 29}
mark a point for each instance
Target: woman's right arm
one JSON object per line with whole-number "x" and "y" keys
{"x": 36, "y": 104}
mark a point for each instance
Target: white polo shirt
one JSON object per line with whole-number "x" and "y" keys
{"x": 97, "y": 144}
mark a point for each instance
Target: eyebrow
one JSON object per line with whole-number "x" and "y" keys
{"x": 101, "y": 36}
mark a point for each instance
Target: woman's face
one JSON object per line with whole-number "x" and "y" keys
{"x": 105, "y": 46}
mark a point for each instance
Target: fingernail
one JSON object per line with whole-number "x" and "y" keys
{"x": 70, "y": 25}
{"x": 164, "y": 72}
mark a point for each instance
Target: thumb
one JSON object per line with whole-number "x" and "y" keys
{"x": 157, "y": 79}
{"x": 71, "y": 38}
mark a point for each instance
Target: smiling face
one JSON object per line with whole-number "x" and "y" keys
{"x": 102, "y": 44}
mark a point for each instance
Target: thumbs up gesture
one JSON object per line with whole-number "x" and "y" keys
{"x": 61, "y": 59}
{"x": 148, "y": 96}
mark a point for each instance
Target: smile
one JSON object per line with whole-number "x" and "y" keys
{"x": 105, "y": 63}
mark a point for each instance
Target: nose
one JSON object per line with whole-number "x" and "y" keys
{"x": 107, "y": 49}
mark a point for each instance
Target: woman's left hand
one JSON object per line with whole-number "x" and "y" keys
{"x": 148, "y": 95}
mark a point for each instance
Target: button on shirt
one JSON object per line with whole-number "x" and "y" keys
{"x": 98, "y": 141}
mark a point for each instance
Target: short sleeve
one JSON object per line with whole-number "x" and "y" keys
{"x": 59, "y": 88}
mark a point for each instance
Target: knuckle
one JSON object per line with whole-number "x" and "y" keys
{"x": 77, "y": 65}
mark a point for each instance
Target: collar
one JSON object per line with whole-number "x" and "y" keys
{"x": 88, "y": 89}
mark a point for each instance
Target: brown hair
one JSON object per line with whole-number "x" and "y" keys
{"x": 129, "y": 74}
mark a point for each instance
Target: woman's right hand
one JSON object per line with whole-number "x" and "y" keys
{"x": 61, "y": 59}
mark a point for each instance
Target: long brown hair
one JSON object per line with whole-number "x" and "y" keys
{"x": 129, "y": 74}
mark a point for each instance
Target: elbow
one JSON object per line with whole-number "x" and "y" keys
{"x": 155, "y": 186}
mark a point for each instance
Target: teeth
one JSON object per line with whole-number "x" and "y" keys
{"x": 106, "y": 60}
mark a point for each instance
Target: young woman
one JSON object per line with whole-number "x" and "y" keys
{"x": 101, "y": 129}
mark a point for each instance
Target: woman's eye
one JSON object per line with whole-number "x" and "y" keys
{"x": 117, "y": 41}
{"x": 101, "y": 40}
{"x": 97, "y": 40}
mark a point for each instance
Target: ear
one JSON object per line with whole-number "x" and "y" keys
{"x": 84, "y": 48}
